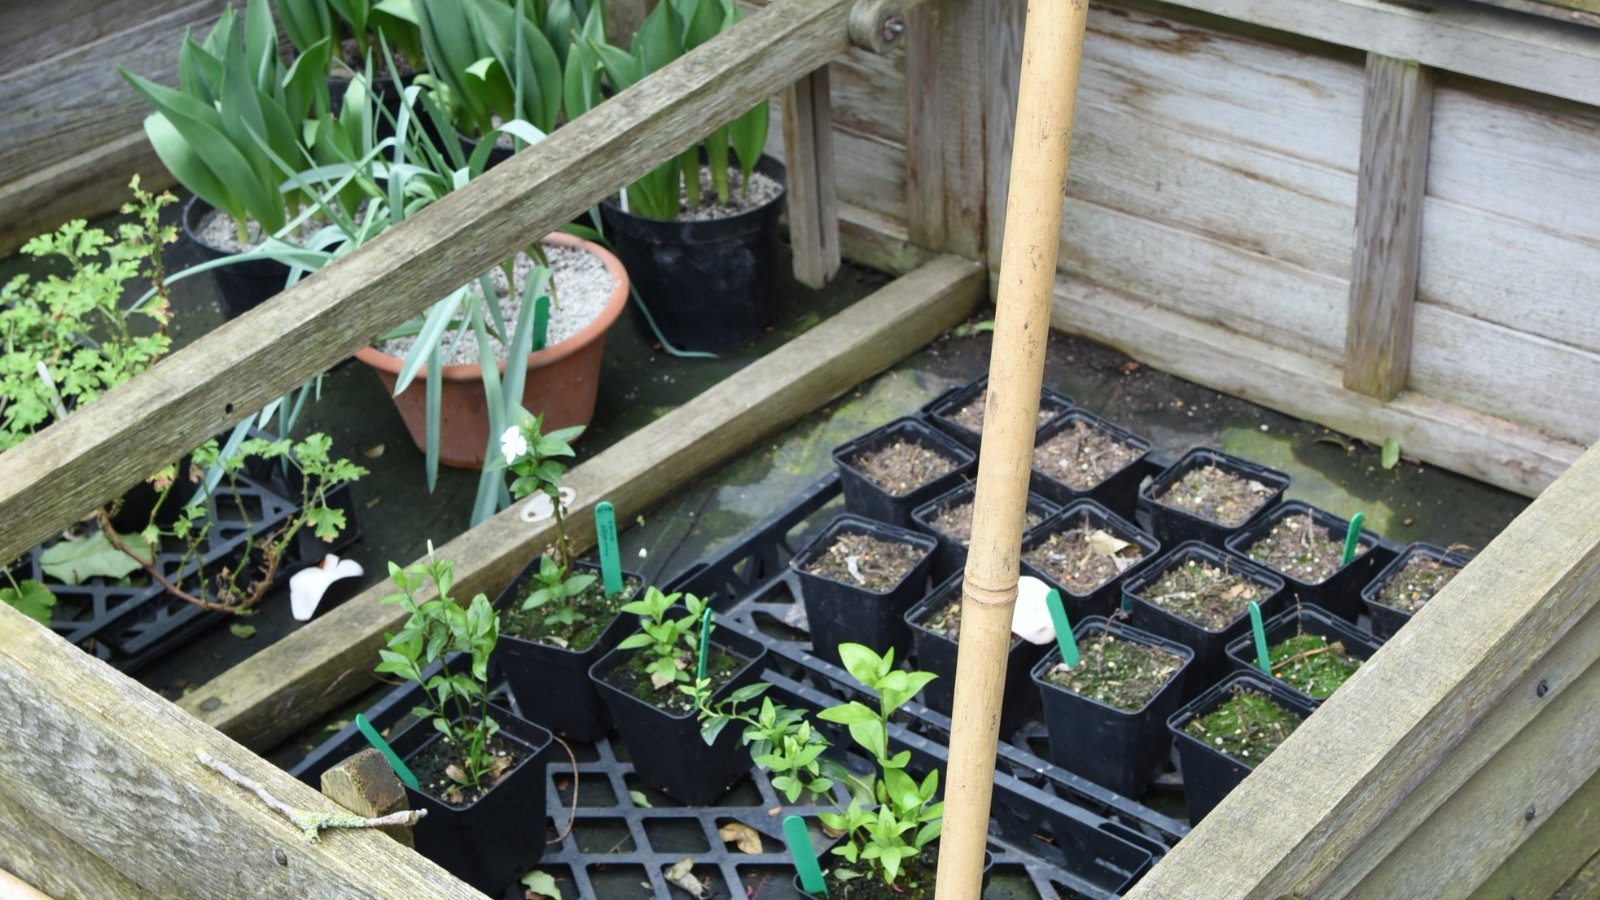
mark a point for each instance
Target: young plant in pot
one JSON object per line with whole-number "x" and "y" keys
{"x": 889, "y": 471}
{"x": 699, "y": 234}
{"x": 1310, "y": 651}
{"x": 1226, "y": 732}
{"x": 1082, "y": 456}
{"x": 1208, "y": 496}
{"x": 557, "y": 618}
{"x": 1406, "y": 584}
{"x": 652, "y": 687}
{"x": 857, "y": 579}
{"x": 935, "y": 624}
{"x": 480, "y": 770}
{"x": 1308, "y": 546}
{"x": 1086, "y": 552}
{"x": 356, "y": 31}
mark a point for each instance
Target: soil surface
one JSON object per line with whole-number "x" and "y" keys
{"x": 763, "y": 190}
{"x": 1300, "y": 548}
{"x": 970, "y": 416}
{"x": 903, "y": 466}
{"x": 1311, "y": 665}
{"x": 1216, "y": 494}
{"x": 945, "y": 621}
{"x": 1248, "y": 727}
{"x": 1081, "y": 456}
{"x": 595, "y": 611}
{"x": 431, "y": 762}
{"x": 955, "y": 521}
{"x": 915, "y": 882}
{"x": 860, "y": 559}
{"x": 1083, "y": 558}
{"x": 632, "y": 677}
{"x": 1120, "y": 673}
{"x": 1416, "y": 583}
{"x": 1204, "y": 593}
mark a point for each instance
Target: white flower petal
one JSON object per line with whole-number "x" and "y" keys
{"x": 307, "y": 586}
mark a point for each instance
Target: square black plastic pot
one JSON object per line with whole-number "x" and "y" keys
{"x": 1209, "y": 774}
{"x": 1339, "y": 593}
{"x": 488, "y": 842}
{"x": 667, "y": 751}
{"x": 1118, "y": 491}
{"x": 951, "y": 556}
{"x": 1293, "y": 621}
{"x": 942, "y": 409}
{"x": 1210, "y": 647}
{"x": 937, "y": 654}
{"x": 551, "y": 684}
{"x": 864, "y": 497}
{"x": 1172, "y": 525}
{"x": 1114, "y": 748}
{"x": 837, "y": 612}
{"x": 1105, "y": 598}
{"x": 1386, "y": 620}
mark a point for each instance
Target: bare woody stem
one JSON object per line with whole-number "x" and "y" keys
{"x": 258, "y": 588}
{"x": 311, "y": 822}
{"x": 1335, "y": 647}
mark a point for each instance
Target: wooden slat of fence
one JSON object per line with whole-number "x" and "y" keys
{"x": 812, "y": 198}
{"x": 295, "y": 681}
{"x": 60, "y": 474}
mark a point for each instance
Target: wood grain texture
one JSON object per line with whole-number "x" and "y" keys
{"x": 60, "y": 473}
{"x": 813, "y": 208}
{"x": 945, "y": 180}
{"x": 79, "y": 187}
{"x": 111, "y": 766}
{"x": 35, "y": 31}
{"x": 32, "y": 848}
{"x": 1582, "y": 12}
{"x": 14, "y": 888}
{"x": 1565, "y": 840}
{"x": 367, "y": 786}
{"x": 1395, "y": 124}
{"x": 870, "y": 172}
{"x": 1002, "y": 35}
{"x": 275, "y": 692}
{"x": 878, "y": 242}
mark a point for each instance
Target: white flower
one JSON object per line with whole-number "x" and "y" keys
{"x": 513, "y": 445}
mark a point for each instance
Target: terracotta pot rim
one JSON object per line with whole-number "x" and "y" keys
{"x": 590, "y": 333}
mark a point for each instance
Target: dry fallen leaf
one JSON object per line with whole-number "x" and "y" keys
{"x": 373, "y": 452}
{"x": 1106, "y": 544}
{"x": 540, "y": 886}
{"x": 500, "y": 766}
{"x": 455, "y": 773}
{"x": 682, "y": 875}
{"x": 660, "y": 681}
{"x": 742, "y": 836}
{"x": 1235, "y": 591}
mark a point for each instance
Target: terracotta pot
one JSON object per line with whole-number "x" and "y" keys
{"x": 562, "y": 380}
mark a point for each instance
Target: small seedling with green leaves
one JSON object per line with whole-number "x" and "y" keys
{"x": 669, "y": 644}
{"x": 782, "y": 741}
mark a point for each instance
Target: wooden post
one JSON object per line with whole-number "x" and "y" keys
{"x": 1052, "y": 54}
{"x": 367, "y": 786}
{"x": 944, "y": 125}
{"x": 1394, "y": 171}
{"x": 808, "y": 151}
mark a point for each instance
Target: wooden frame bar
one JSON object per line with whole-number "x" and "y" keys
{"x": 945, "y": 158}
{"x": 812, "y": 201}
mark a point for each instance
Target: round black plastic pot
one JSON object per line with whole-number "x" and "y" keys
{"x": 1107, "y": 596}
{"x": 1210, "y": 647}
{"x": 1339, "y": 593}
{"x": 937, "y": 654}
{"x": 390, "y": 98}
{"x": 1386, "y": 620}
{"x": 241, "y": 286}
{"x": 1118, "y": 491}
{"x": 667, "y": 751}
{"x": 551, "y": 684}
{"x": 1118, "y": 749}
{"x": 943, "y": 408}
{"x": 824, "y": 861}
{"x": 837, "y": 612}
{"x": 1209, "y": 774}
{"x": 1296, "y": 620}
{"x": 865, "y": 497}
{"x": 486, "y": 843}
{"x": 951, "y": 557}
{"x": 1172, "y": 525}
{"x": 707, "y": 284}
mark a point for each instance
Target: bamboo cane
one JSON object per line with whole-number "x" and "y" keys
{"x": 1052, "y": 52}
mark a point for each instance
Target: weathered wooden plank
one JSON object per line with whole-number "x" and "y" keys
{"x": 945, "y": 176}
{"x": 31, "y": 847}
{"x": 1582, "y": 12}
{"x": 1002, "y": 35}
{"x": 1496, "y": 45}
{"x": 14, "y": 888}
{"x": 871, "y": 173}
{"x": 79, "y": 187}
{"x": 57, "y": 475}
{"x": 1450, "y": 435}
{"x": 112, "y": 767}
{"x": 812, "y": 203}
{"x": 1394, "y": 174}
{"x": 878, "y": 242}
{"x": 1563, "y": 843}
{"x": 34, "y": 31}
{"x": 269, "y": 696}
{"x": 367, "y": 786}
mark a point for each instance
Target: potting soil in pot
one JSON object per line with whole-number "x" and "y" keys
{"x": 861, "y": 559}
{"x": 903, "y": 466}
{"x": 1216, "y": 494}
{"x": 1118, "y": 673}
{"x": 1311, "y": 665}
{"x": 1297, "y": 546}
{"x": 955, "y": 521}
{"x": 1204, "y": 593}
{"x": 1083, "y": 558}
{"x": 1416, "y": 583}
{"x": 631, "y": 676}
{"x": 915, "y": 881}
{"x": 440, "y": 770}
{"x": 581, "y": 286}
{"x": 592, "y": 612}
{"x": 970, "y": 416}
{"x": 763, "y": 190}
{"x": 1082, "y": 456}
{"x": 1248, "y": 727}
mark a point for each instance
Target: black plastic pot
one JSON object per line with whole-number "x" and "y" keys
{"x": 241, "y": 286}
{"x": 1110, "y": 862}
{"x": 551, "y": 684}
{"x": 1115, "y": 748}
{"x": 1103, "y": 599}
{"x": 1339, "y": 593}
{"x": 1118, "y": 491}
{"x": 943, "y": 407}
{"x": 667, "y": 751}
{"x": 824, "y": 862}
{"x": 937, "y": 654}
{"x": 1210, "y": 647}
{"x": 1209, "y": 774}
{"x": 1293, "y": 621}
{"x": 864, "y": 497}
{"x": 707, "y": 284}
{"x": 487, "y": 843}
{"x": 837, "y": 612}
{"x": 951, "y": 557}
{"x": 1386, "y": 620}
{"x": 1173, "y": 526}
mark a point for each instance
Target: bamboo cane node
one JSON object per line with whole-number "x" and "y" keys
{"x": 982, "y": 595}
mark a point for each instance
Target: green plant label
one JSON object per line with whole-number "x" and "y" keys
{"x": 805, "y": 856}
{"x": 1064, "y": 637}
{"x": 1256, "y": 628}
{"x": 605, "y": 530}
{"x": 541, "y": 322}
{"x": 1352, "y": 538}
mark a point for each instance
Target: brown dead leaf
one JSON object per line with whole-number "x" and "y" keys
{"x": 682, "y": 874}
{"x": 1106, "y": 544}
{"x": 1235, "y": 591}
{"x": 455, "y": 773}
{"x": 499, "y": 766}
{"x": 747, "y": 839}
{"x": 832, "y": 832}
